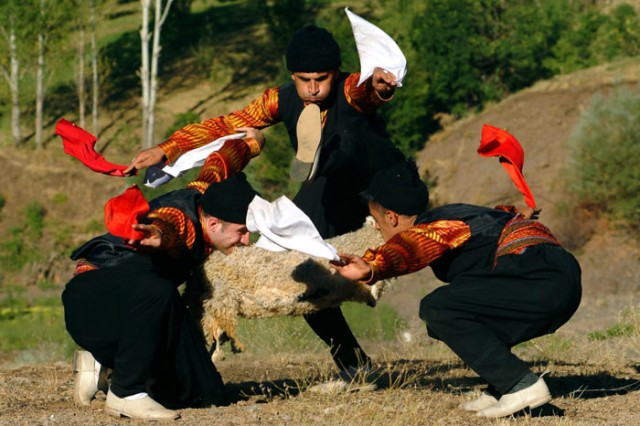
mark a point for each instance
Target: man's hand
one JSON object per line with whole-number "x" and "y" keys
{"x": 145, "y": 158}
{"x": 252, "y": 133}
{"x": 384, "y": 82}
{"x": 530, "y": 213}
{"x": 352, "y": 267}
{"x": 151, "y": 241}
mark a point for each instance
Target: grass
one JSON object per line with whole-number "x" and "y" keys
{"x": 34, "y": 334}
{"x": 420, "y": 382}
{"x": 28, "y": 326}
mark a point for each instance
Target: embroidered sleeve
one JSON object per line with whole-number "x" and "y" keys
{"x": 177, "y": 229}
{"x": 260, "y": 113}
{"x": 228, "y": 160}
{"x": 415, "y": 248}
{"x": 363, "y": 98}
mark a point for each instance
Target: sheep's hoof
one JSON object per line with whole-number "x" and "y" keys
{"x": 237, "y": 347}
{"x": 217, "y": 356}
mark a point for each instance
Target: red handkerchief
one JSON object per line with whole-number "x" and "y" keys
{"x": 79, "y": 143}
{"x": 496, "y": 142}
{"x": 121, "y": 212}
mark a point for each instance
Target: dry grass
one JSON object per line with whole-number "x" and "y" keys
{"x": 420, "y": 382}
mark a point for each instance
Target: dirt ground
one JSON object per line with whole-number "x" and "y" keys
{"x": 418, "y": 384}
{"x": 594, "y": 382}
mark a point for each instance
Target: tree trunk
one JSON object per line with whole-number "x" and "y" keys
{"x": 80, "y": 79}
{"x": 144, "y": 71}
{"x": 94, "y": 68}
{"x": 15, "y": 88}
{"x": 149, "y": 80}
{"x": 40, "y": 87}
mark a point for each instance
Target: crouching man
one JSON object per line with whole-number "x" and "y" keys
{"x": 509, "y": 281}
{"x": 123, "y": 306}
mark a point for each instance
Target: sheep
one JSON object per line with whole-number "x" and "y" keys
{"x": 252, "y": 282}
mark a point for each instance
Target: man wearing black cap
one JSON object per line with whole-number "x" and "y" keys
{"x": 123, "y": 306}
{"x": 509, "y": 281}
{"x": 340, "y": 144}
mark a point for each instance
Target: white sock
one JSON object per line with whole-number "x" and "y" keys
{"x": 136, "y": 396}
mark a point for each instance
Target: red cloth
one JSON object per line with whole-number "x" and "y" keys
{"x": 79, "y": 143}
{"x": 121, "y": 212}
{"x": 496, "y": 142}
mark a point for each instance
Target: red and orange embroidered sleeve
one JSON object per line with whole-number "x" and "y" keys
{"x": 228, "y": 160}
{"x": 415, "y": 248}
{"x": 260, "y": 113}
{"x": 176, "y": 227}
{"x": 363, "y": 98}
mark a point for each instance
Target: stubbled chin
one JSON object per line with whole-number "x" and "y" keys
{"x": 227, "y": 251}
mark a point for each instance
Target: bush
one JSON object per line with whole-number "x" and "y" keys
{"x": 605, "y": 149}
{"x": 34, "y": 219}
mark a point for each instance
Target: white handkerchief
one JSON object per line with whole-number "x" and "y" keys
{"x": 376, "y": 49}
{"x": 283, "y": 226}
{"x": 198, "y": 156}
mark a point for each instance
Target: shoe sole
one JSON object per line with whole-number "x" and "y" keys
{"x": 532, "y": 405}
{"x": 77, "y": 400}
{"x": 309, "y": 134}
{"x": 115, "y": 413}
{"x": 119, "y": 414}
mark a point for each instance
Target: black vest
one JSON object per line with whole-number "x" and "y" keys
{"x": 108, "y": 250}
{"x": 354, "y": 147}
{"x": 478, "y": 253}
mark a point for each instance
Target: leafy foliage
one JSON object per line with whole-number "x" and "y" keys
{"x": 605, "y": 152}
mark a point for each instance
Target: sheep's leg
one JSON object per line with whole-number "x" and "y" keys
{"x": 236, "y": 345}
{"x": 219, "y": 337}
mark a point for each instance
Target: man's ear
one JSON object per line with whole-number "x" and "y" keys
{"x": 391, "y": 217}
{"x": 212, "y": 223}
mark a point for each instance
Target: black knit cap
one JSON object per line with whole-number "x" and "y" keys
{"x": 312, "y": 49}
{"x": 229, "y": 199}
{"x": 399, "y": 188}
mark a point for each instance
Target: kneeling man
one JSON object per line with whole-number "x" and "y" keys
{"x": 509, "y": 281}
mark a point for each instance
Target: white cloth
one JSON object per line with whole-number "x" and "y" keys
{"x": 283, "y": 226}
{"x": 197, "y": 157}
{"x": 376, "y": 49}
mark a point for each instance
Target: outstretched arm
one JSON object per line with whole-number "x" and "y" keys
{"x": 260, "y": 113}
{"x": 372, "y": 93}
{"x": 406, "y": 252}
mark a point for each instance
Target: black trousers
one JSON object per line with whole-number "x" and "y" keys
{"x": 481, "y": 315}
{"x": 132, "y": 319}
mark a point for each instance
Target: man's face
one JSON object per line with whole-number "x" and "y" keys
{"x": 314, "y": 87}
{"x": 384, "y": 220}
{"x": 226, "y": 235}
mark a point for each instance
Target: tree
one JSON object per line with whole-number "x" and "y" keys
{"x": 80, "y": 83}
{"x": 11, "y": 17}
{"x": 149, "y": 71}
{"x": 95, "y": 86}
{"x": 49, "y": 27}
